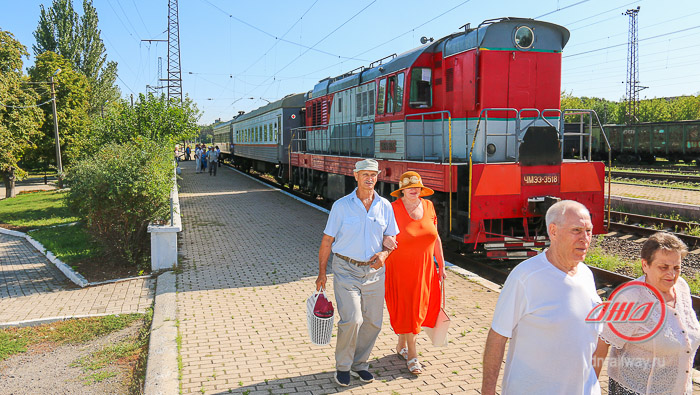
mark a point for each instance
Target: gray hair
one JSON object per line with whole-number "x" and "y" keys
{"x": 556, "y": 212}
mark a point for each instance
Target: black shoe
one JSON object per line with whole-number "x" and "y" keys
{"x": 342, "y": 378}
{"x": 364, "y": 375}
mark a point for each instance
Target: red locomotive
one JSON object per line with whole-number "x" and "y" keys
{"x": 476, "y": 113}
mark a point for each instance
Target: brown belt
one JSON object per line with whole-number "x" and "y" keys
{"x": 353, "y": 261}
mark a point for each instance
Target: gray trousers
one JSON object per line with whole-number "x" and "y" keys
{"x": 359, "y": 295}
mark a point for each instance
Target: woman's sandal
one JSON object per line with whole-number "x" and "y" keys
{"x": 403, "y": 353}
{"x": 414, "y": 366}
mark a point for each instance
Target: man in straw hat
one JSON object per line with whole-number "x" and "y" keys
{"x": 354, "y": 233}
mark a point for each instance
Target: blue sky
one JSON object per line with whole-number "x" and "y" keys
{"x": 232, "y": 51}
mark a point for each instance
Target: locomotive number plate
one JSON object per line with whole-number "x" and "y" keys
{"x": 540, "y": 179}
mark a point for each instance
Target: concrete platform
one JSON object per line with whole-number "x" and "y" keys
{"x": 249, "y": 263}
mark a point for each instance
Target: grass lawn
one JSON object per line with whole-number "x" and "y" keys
{"x": 38, "y": 212}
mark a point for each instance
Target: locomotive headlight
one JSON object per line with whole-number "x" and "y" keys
{"x": 524, "y": 37}
{"x": 491, "y": 149}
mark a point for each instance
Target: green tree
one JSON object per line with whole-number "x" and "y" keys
{"x": 152, "y": 117}
{"x": 20, "y": 120}
{"x": 77, "y": 39}
{"x": 72, "y": 94}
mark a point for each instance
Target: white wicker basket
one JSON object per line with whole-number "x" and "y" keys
{"x": 320, "y": 329}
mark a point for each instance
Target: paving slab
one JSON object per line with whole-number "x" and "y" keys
{"x": 33, "y": 290}
{"x": 250, "y": 262}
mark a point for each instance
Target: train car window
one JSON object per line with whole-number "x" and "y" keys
{"x": 421, "y": 93}
{"x": 275, "y": 135}
{"x": 524, "y": 37}
{"x": 381, "y": 93}
{"x": 340, "y": 104}
{"x": 266, "y": 135}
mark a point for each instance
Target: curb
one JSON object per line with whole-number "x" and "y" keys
{"x": 74, "y": 276}
{"x": 162, "y": 367}
{"x": 42, "y": 321}
{"x": 473, "y": 277}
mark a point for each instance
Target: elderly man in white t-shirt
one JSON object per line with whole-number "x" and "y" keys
{"x": 542, "y": 310}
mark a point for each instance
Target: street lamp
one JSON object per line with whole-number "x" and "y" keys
{"x": 59, "y": 165}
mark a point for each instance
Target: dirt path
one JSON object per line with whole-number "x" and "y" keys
{"x": 44, "y": 369}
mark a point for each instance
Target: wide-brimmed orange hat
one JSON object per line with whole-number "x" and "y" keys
{"x": 411, "y": 179}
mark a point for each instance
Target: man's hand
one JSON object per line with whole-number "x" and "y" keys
{"x": 378, "y": 259}
{"x": 390, "y": 243}
{"x": 320, "y": 281}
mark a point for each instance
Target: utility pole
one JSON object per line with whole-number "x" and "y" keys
{"x": 174, "y": 79}
{"x": 633, "y": 87}
{"x": 174, "y": 73}
{"x": 59, "y": 164}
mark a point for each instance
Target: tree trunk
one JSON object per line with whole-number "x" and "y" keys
{"x": 8, "y": 178}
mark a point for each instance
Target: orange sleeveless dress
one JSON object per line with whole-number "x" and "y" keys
{"x": 412, "y": 283}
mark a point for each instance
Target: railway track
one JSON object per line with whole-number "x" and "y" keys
{"x": 667, "y": 177}
{"x": 661, "y": 169}
{"x": 646, "y": 226}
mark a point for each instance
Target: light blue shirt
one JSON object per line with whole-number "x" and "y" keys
{"x": 359, "y": 233}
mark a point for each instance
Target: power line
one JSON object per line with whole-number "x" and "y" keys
{"x": 644, "y": 39}
{"x": 318, "y": 42}
{"x": 32, "y": 106}
{"x": 276, "y": 37}
{"x": 601, "y": 13}
{"x": 561, "y": 9}
{"x": 392, "y": 39}
{"x": 141, "y": 18}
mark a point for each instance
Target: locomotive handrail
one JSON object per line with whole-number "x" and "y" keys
{"x": 590, "y": 137}
{"x": 523, "y": 130}
{"x": 423, "y": 134}
{"x": 449, "y": 152}
{"x": 484, "y": 111}
{"x": 300, "y": 134}
{"x": 518, "y": 128}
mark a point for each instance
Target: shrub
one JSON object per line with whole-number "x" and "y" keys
{"x": 119, "y": 191}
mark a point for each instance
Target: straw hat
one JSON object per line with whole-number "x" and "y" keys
{"x": 411, "y": 179}
{"x": 367, "y": 164}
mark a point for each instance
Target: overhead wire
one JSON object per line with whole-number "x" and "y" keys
{"x": 21, "y": 107}
{"x": 273, "y": 36}
{"x": 640, "y": 40}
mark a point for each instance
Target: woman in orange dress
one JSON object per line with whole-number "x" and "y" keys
{"x": 412, "y": 282}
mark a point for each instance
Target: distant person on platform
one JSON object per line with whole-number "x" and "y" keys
{"x": 212, "y": 158}
{"x": 218, "y": 155}
{"x": 188, "y": 150}
{"x": 197, "y": 159}
{"x": 356, "y": 227}
{"x": 542, "y": 310}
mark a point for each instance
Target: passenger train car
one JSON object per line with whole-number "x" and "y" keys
{"x": 260, "y": 139}
{"x": 476, "y": 113}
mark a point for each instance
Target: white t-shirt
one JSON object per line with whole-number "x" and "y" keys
{"x": 543, "y": 310}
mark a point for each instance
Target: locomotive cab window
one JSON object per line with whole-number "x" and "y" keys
{"x": 421, "y": 95}
{"x": 381, "y": 92}
{"x": 524, "y": 37}
{"x": 395, "y": 94}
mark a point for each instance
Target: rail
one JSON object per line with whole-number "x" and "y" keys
{"x": 442, "y": 146}
{"x": 590, "y": 113}
{"x": 485, "y": 113}
{"x": 321, "y": 139}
